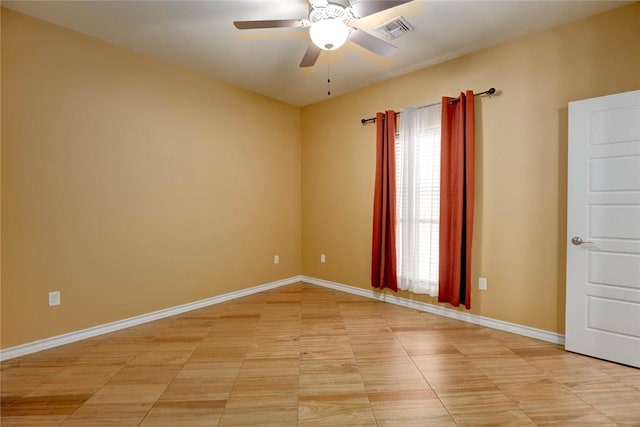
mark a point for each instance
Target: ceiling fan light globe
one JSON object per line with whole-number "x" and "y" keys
{"x": 329, "y": 34}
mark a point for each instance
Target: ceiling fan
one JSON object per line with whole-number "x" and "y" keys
{"x": 329, "y": 28}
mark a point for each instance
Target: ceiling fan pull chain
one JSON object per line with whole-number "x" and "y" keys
{"x": 329, "y": 73}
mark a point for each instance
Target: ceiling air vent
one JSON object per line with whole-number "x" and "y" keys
{"x": 395, "y": 28}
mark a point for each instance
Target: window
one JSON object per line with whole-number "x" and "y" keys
{"x": 418, "y": 199}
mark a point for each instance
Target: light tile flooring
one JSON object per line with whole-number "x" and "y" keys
{"x": 309, "y": 356}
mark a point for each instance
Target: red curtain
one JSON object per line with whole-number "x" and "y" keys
{"x": 383, "y": 257}
{"x": 456, "y": 199}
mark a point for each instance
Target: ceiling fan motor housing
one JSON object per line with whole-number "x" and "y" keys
{"x": 330, "y": 11}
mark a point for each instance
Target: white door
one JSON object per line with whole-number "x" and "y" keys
{"x": 603, "y": 242}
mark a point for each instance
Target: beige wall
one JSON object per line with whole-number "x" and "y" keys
{"x": 521, "y": 161}
{"x": 133, "y": 185}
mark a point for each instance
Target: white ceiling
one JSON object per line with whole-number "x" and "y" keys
{"x": 199, "y": 35}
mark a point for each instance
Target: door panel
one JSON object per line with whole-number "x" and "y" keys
{"x": 614, "y": 269}
{"x": 615, "y": 174}
{"x": 625, "y": 322}
{"x": 615, "y": 125}
{"x": 614, "y": 221}
{"x": 603, "y": 268}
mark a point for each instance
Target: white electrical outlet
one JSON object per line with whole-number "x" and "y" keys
{"x": 54, "y": 298}
{"x": 482, "y": 283}
{"x": 276, "y": 259}
{"x": 323, "y": 258}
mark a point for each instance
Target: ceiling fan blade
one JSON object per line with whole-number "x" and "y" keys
{"x": 311, "y": 56}
{"x": 279, "y": 23}
{"x": 374, "y": 44}
{"x": 362, "y": 8}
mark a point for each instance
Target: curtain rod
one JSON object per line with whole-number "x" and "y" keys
{"x": 489, "y": 92}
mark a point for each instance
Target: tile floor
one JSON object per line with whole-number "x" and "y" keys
{"x": 303, "y": 355}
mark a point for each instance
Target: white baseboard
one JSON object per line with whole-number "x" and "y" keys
{"x": 443, "y": 311}
{"x": 47, "y": 343}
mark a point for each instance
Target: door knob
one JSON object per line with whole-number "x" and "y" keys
{"x": 578, "y": 241}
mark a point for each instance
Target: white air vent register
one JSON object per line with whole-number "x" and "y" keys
{"x": 395, "y": 28}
